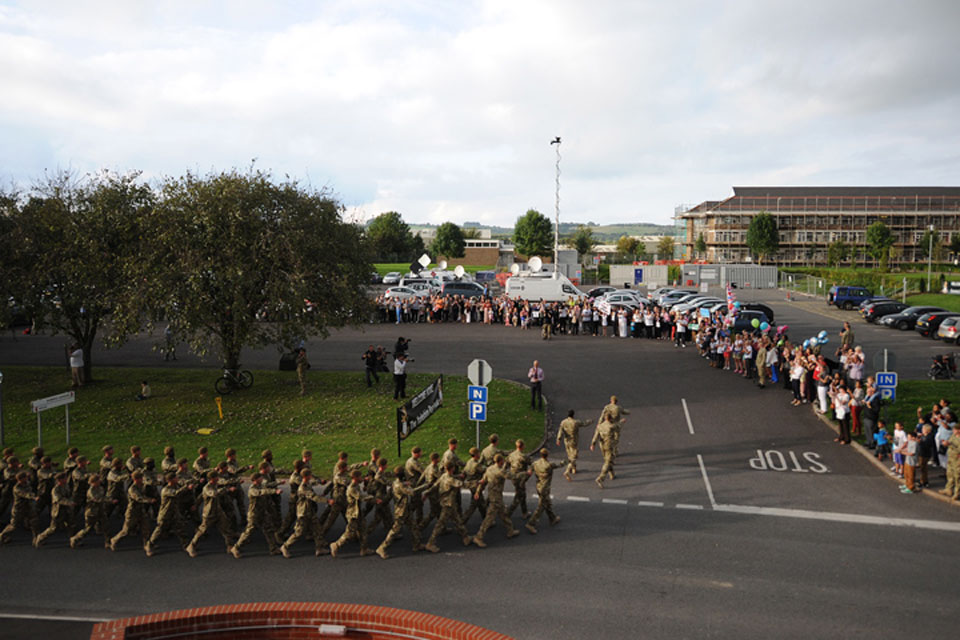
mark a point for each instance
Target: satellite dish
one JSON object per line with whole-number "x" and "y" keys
{"x": 535, "y": 264}
{"x": 459, "y": 271}
{"x": 514, "y": 268}
{"x": 442, "y": 265}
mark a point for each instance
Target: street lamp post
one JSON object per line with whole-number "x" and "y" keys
{"x": 556, "y": 228}
{"x": 929, "y": 258}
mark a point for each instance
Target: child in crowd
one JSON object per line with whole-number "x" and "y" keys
{"x": 899, "y": 439}
{"x": 882, "y": 440}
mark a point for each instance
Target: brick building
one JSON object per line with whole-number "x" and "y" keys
{"x": 810, "y": 218}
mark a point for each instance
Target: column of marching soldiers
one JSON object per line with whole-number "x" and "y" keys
{"x": 159, "y": 503}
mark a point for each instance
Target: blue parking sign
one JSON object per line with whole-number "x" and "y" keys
{"x": 888, "y": 393}
{"x": 886, "y": 378}
{"x": 477, "y": 411}
{"x": 476, "y": 393}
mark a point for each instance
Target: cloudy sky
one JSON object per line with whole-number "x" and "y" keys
{"x": 445, "y": 110}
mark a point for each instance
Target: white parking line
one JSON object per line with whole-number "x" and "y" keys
{"x": 577, "y": 499}
{"x": 687, "y": 413}
{"x": 831, "y": 516}
{"x": 681, "y": 505}
{"x": 34, "y": 616}
{"x": 648, "y": 503}
{"x": 613, "y": 501}
{"x": 706, "y": 481}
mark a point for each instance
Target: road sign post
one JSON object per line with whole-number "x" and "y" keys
{"x": 38, "y": 406}
{"x": 887, "y": 381}
{"x": 480, "y": 374}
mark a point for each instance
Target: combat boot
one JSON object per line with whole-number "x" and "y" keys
{"x": 479, "y": 542}
{"x": 432, "y": 548}
{"x": 382, "y": 553}
{"x": 532, "y": 529}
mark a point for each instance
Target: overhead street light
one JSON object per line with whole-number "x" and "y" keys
{"x": 556, "y": 229}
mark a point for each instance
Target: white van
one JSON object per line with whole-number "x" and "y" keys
{"x": 542, "y": 287}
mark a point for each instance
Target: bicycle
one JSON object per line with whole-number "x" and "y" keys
{"x": 233, "y": 379}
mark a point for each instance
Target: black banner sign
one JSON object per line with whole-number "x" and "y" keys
{"x": 415, "y": 411}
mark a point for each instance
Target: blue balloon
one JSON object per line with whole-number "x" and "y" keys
{"x": 764, "y": 326}
{"x": 736, "y": 305}
{"x": 806, "y": 343}
{"x": 822, "y": 335}
{"x": 814, "y": 342}
{"x": 824, "y": 340}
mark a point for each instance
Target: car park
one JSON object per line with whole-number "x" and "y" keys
{"x": 662, "y": 291}
{"x": 674, "y": 295}
{"x": 618, "y": 297}
{"x": 874, "y": 311}
{"x": 873, "y": 299}
{"x": 694, "y": 303}
{"x": 462, "y": 288}
{"x": 907, "y": 318}
{"x": 401, "y": 293}
{"x": 392, "y": 278}
{"x": 847, "y": 297}
{"x": 949, "y": 329}
{"x": 670, "y": 304}
{"x": 928, "y": 323}
{"x": 599, "y": 292}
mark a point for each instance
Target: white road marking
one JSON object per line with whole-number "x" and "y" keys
{"x": 832, "y": 516}
{"x": 34, "y": 616}
{"x": 578, "y": 499}
{"x": 647, "y": 503}
{"x": 509, "y": 494}
{"x": 687, "y": 413}
{"x": 706, "y": 481}
{"x": 681, "y": 505}
{"x": 614, "y": 501}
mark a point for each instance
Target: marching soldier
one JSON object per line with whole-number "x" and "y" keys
{"x": 519, "y": 463}
{"x": 272, "y": 501}
{"x": 613, "y": 413}
{"x": 356, "y": 527}
{"x": 491, "y": 450}
{"x": 81, "y": 483}
{"x": 134, "y": 462}
{"x": 61, "y": 514}
{"x": 170, "y": 519}
{"x": 258, "y": 515}
{"x": 136, "y": 513}
{"x": 152, "y": 485}
{"x": 412, "y": 470}
{"x": 472, "y": 474}
{"x": 449, "y": 490}
{"x": 201, "y": 467}
{"x": 23, "y": 515}
{"x": 337, "y": 490}
{"x": 953, "y": 464}
{"x": 605, "y": 436}
{"x": 379, "y": 487}
{"x": 169, "y": 462}
{"x": 187, "y": 501}
{"x": 307, "y": 501}
{"x": 290, "y": 519}
{"x": 11, "y": 466}
{"x": 36, "y": 460}
{"x": 213, "y": 515}
{"x": 450, "y": 457}
{"x": 115, "y": 482}
{"x": 46, "y": 480}
{"x": 106, "y": 463}
{"x": 493, "y": 479}
{"x": 430, "y": 476}
{"x": 71, "y": 462}
{"x": 569, "y": 433}
{"x": 94, "y": 514}
{"x": 543, "y": 469}
{"x": 403, "y": 495}
{"x": 234, "y": 471}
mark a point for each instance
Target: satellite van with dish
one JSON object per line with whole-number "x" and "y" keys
{"x": 539, "y": 288}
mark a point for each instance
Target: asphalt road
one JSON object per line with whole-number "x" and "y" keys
{"x": 746, "y": 520}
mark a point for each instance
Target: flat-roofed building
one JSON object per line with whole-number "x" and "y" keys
{"x": 809, "y": 219}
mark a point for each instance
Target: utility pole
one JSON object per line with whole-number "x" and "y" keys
{"x": 929, "y": 258}
{"x": 556, "y": 228}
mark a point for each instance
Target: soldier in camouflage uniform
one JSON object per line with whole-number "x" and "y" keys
{"x": 272, "y": 502}
{"x": 449, "y": 489}
{"x": 187, "y": 501}
{"x": 569, "y": 433}
{"x": 116, "y": 479}
{"x": 213, "y": 515}
{"x": 613, "y": 413}
{"x": 169, "y": 462}
{"x": 61, "y": 512}
{"x": 356, "y": 527}
{"x": 491, "y": 450}
{"x": 431, "y": 474}
{"x": 135, "y": 516}
{"x": 953, "y": 464}
{"x": 169, "y": 518}
{"x": 379, "y": 487}
{"x": 412, "y": 470}
{"x": 234, "y": 471}
{"x": 135, "y": 461}
{"x": 519, "y": 463}
{"x": 46, "y": 480}
{"x": 286, "y": 528}
{"x": 8, "y": 477}
{"x": 543, "y": 469}
{"x": 36, "y": 459}
{"x": 493, "y": 480}
{"x": 307, "y": 501}
{"x": 71, "y": 462}
{"x": 472, "y": 474}
{"x": 605, "y": 436}
{"x": 94, "y": 514}
{"x": 201, "y": 467}
{"x": 106, "y": 463}
{"x": 403, "y": 495}
{"x": 258, "y": 515}
{"x": 23, "y": 515}
{"x": 80, "y": 482}
{"x": 337, "y": 503}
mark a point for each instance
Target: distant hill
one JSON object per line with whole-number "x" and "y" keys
{"x": 602, "y": 232}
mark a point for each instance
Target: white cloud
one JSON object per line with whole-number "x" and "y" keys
{"x": 445, "y": 111}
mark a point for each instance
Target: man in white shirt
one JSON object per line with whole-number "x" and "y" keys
{"x": 535, "y": 375}
{"x": 400, "y": 377}
{"x": 76, "y": 365}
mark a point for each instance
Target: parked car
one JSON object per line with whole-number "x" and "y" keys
{"x": 401, "y": 293}
{"x": 662, "y": 291}
{"x": 375, "y": 278}
{"x": 847, "y": 297}
{"x": 461, "y": 288}
{"x": 485, "y": 276}
{"x": 928, "y": 323}
{"x": 618, "y": 297}
{"x": 670, "y": 303}
{"x": 873, "y": 299}
{"x": 599, "y": 292}
{"x": 392, "y": 278}
{"x": 907, "y": 318}
{"x": 758, "y": 306}
{"x": 949, "y": 329}
{"x": 876, "y": 310}
{"x": 693, "y": 303}
{"x": 744, "y": 321}
{"x": 674, "y": 295}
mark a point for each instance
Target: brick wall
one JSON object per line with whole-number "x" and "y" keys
{"x": 289, "y": 621}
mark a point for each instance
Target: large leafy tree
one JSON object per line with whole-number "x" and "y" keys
{"x": 763, "y": 238}
{"x": 390, "y": 239}
{"x": 700, "y": 247}
{"x": 73, "y": 242}
{"x": 583, "y": 241}
{"x": 837, "y": 252}
{"x": 533, "y": 234}
{"x": 665, "y": 247}
{"x": 448, "y": 242}
{"x": 627, "y": 246}
{"x": 237, "y": 260}
{"x": 880, "y": 241}
{"x": 931, "y": 237}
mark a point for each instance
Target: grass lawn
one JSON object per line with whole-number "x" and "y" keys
{"x": 943, "y": 300}
{"x": 919, "y": 393}
{"x": 383, "y": 268}
{"x": 338, "y": 413}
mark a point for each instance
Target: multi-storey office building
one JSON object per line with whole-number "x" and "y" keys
{"x": 810, "y": 218}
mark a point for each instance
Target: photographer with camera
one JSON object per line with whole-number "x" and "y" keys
{"x": 400, "y": 376}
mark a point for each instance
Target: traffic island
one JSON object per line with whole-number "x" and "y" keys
{"x": 291, "y": 621}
